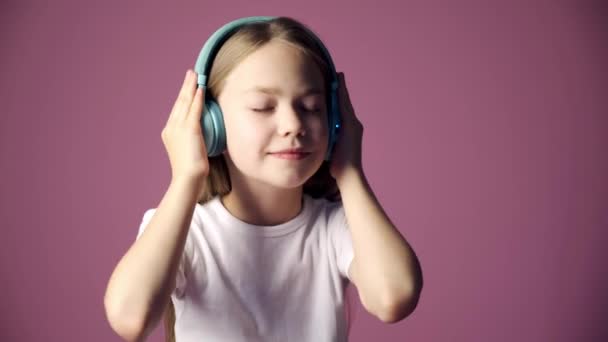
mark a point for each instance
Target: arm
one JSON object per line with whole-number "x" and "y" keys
{"x": 140, "y": 286}
{"x": 385, "y": 269}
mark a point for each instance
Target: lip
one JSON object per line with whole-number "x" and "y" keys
{"x": 291, "y": 155}
{"x": 292, "y": 150}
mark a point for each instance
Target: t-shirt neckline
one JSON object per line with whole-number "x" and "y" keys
{"x": 238, "y": 225}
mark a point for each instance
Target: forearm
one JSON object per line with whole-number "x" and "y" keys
{"x": 140, "y": 285}
{"x": 389, "y": 272}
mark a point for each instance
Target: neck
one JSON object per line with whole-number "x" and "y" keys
{"x": 268, "y": 207}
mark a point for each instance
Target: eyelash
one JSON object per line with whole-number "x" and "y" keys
{"x": 264, "y": 110}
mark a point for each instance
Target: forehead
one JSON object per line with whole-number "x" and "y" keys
{"x": 276, "y": 68}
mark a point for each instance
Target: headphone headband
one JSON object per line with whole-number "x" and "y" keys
{"x": 217, "y": 39}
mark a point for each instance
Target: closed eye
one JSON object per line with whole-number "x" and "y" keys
{"x": 263, "y": 110}
{"x": 314, "y": 109}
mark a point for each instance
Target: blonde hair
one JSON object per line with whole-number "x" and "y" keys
{"x": 241, "y": 44}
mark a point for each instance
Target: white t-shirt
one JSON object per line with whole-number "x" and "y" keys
{"x": 241, "y": 282}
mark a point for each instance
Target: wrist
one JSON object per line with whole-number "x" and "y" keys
{"x": 349, "y": 175}
{"x": 189, "y": 183}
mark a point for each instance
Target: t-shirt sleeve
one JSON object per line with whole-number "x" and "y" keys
{"x": 182, "y": 269}
{"x": 341, "y": 238}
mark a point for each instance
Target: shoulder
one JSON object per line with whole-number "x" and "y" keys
{"x": 195, "y": 222}
{"x": 330, "y": 212}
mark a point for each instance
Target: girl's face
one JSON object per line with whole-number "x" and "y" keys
{"x": 275, "y": 100}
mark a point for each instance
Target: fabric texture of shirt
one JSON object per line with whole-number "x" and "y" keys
{"x": 242, "y": 282}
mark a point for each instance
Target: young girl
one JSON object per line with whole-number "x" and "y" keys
{"x": 259, "y": 242}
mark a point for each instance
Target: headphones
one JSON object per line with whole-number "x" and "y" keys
{"x": 212, "y": 121}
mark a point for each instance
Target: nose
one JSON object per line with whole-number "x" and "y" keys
{"x": 290, "y": 122}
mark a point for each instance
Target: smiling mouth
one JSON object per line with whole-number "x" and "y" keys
{"x": 291, "y": 155}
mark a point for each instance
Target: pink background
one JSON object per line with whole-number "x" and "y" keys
{"x": 486, "y": 131}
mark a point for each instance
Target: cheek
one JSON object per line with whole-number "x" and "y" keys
{"x": 243, "y": 132}
{"x": 318, "y": 125}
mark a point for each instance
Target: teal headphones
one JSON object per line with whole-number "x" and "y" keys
{"x": 212, "y": 121}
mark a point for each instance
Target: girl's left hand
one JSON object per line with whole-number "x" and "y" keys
{"x": 346, "y": 155}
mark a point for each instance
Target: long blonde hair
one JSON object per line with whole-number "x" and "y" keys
{"x": 242, "y": 43}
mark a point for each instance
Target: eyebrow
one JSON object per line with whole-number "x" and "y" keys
{"x": 276, "y": 91}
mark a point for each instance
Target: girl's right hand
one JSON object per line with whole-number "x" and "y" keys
{"x": 183, "y": 136}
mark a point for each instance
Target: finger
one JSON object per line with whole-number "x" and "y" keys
{"x": 196, "y": 109}
{"x": 344, "y": 100}
{"x": 184, "y": 98}
{"x": 187, "y": 97}
{"x": 176, "y": 104}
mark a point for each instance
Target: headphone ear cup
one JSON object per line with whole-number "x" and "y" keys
{"x": 212, "y": 125}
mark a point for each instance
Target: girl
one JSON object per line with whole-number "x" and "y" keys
{"x": 260, "y": 242}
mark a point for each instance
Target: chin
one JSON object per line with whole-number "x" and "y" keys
{"x": 287, "y": 182}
